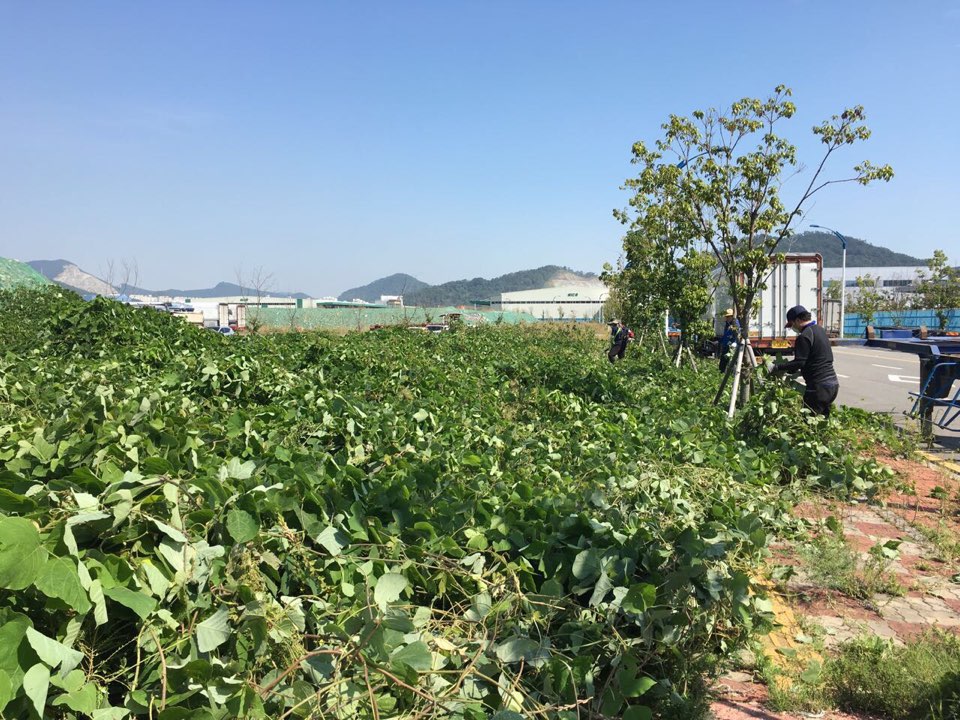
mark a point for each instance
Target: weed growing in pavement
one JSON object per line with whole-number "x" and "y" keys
{"x": 945, "y": 541}
{"x": 919, "y": 680}
{"x": 792, "y": 684}
{"x": 872, "y": 675}
{"x": 832, "y": 563}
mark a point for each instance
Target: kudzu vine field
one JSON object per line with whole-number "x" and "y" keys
{"x": 487, "y": 523}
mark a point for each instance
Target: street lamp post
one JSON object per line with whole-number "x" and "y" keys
{"x": 843, "y": 275}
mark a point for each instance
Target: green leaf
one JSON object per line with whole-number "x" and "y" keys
{"x": 59, "y": 579}
{"x": 421, "y": 415}
{"x": 214, "y": 631}
{"x": 53, "y": 652}
{"x": 639, "y": 597}
{"x": 170, "y": 532}
{"x": 638, "y": 712}
{"x": 83, "y": 700}
{"x": 633, "y": 686}
{"x": 6, "y": 689}
{"x": 99, "y": 602}
{"x": 517, "y": 649}
{"x": 241, "y": 525}
{"x": 237, "y": 470}
{"x": 141, "y": 604}
{"x": 36, "y": 683}
{"x": 110, "y": 713}
{"x": 416, "y": 655}
{"x": 388, "y": 589}
{"x": 21, "y": 555}
{"x": 332, "y": 540}
{"x": 11, "y": 633}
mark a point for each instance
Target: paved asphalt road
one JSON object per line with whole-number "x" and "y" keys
{"x": 879, "y": 380}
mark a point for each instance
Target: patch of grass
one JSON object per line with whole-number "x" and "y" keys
{"x": 945, "y": 541}
{"x": 871, "y": 675}
{"x": 921, "y": 680}
{"x": 832, "y": 563}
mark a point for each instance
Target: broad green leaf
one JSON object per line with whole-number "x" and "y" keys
{"x": 421, "y": 415}
{"x": 110, "y": 713}
{"x": 517, "y": 649}
{"x": 638, "y": 712}
{"x": 639, "y": 597}
{"x": 585, "y": 565}
{"x": 159, "y": 584}
{"x": 479, "y": 607}
{"x": 36, "y": 683}
{"x": 214, "y": 631}
{"x": 416, "y": 655}
{"x": 389, "y": 587}
{"x": 141, "y": 604}
{"x": 170, "y": 532}
{"x": 633, "y": 686}
{"x": 99, "y": 602}
{"x": 21, "y": 555}
{"x": 83, "y": 700}
{"x": 54, "y": 653}
{"x": 332, "y": 540}
{"x": 59, "y": 579}
{"x": 241, "y": 525}
{"x": 11, "y": 633}
{"x": 6, "y": 689}
{"x": 237, "y": 470}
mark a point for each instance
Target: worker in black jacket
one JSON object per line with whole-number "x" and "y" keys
{"x": 813, "y": 358}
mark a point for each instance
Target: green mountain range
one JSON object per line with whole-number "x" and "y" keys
{"x": 860, "y": 253}
{"x": 461, "y": 292}
{"x": 396, "y": 284}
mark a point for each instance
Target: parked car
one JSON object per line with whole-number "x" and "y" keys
{"x": 223, "y": 330}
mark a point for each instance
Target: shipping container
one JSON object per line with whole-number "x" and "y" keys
{"x": 798, "y": 280}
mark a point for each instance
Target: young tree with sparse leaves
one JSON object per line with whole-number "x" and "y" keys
{"x": 940, "y": 290}
{"x": 868, "y": 300}
{"x": 718, "y": 176}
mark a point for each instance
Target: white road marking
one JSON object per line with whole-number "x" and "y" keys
{"x": 903, "y": 379}
{"x": 887, "y": 367}
{"x": 889, "y": 355}
{"x": 845, "y": 377}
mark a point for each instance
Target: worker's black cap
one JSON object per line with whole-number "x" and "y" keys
{"x": 795, "y": 312}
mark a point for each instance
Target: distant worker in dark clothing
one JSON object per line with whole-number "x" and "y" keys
{"x": 619, "y": 337}
{"x": 729, "y": 339}
{"x": 813, "y": 358}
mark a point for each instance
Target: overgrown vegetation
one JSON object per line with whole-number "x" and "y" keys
{"x": 486, "y": 523}
{"x": 918, "y": 681}
{"x": 832, "y": 563}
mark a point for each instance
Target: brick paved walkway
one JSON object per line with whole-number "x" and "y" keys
{"x": 931, "y": 599}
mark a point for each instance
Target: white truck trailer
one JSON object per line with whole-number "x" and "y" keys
{"x": 798, "y": 280}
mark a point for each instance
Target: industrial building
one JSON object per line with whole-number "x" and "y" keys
{"x": 565, "y": 302}
{"x": 901, "y": 277}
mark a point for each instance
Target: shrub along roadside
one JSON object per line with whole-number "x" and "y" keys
{"x": 377, "y": 525}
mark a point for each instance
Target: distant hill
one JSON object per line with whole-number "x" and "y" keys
{"x": 222, "y": 289}
{"x": 396, "y": 284}
{"x": 461, "y": 292}
{"x": 70, "y": 276}
{"x": 15, "y": 274}
{"x": 859, "y": 252}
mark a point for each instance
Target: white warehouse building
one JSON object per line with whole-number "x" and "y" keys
{"x": 901, "y": 277}
{"x": 564, "y": 302}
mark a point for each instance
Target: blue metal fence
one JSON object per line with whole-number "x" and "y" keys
{"x": 853, "y": 325}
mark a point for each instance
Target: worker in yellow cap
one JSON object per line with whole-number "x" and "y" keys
{"x": 729, "y": 339}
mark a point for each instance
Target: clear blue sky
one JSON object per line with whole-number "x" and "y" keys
{"x": 336, "y": 142}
